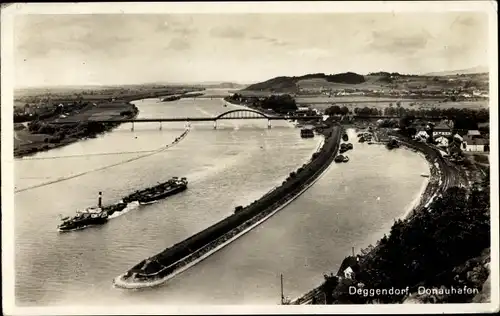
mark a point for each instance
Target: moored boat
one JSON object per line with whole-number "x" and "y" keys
{"x": 339, "y": 158}
{"x": 306, "y": 133}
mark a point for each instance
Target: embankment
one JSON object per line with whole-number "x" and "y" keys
{"x": 437, "y": 184}
{"x": 159, "y": 268}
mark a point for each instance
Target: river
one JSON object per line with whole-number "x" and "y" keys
{"x": 352, "y": 205}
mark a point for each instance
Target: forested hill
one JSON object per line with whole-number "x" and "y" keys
{"x": 289, "y": 84}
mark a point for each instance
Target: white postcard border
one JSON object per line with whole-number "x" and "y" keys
{"x": 7, "y": 80}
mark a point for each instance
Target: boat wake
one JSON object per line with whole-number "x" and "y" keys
{"x": 147, "y": 203}
{"x": 74, "y": 229}
{"x": 130, "y": 206}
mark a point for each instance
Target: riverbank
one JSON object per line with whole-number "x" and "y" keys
{"x": 41, "y": 136}
{"x": 436, "y": 184}
{"x": 161, "y": 267}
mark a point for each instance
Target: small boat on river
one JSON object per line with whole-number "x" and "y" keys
{"x": 90, "y": 217}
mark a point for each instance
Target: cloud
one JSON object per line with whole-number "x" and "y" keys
{"x": 270, "y": 40}
{"x": 227, "y": 32}
{"x": 389, "y": 42}
{"x": 175, "y": 26}
{"x": 179, "y": 44}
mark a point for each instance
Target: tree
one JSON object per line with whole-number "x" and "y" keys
{"x": 333, "y": 110}
{"x": 344, "y": 110}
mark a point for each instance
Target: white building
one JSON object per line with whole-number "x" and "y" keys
{"x": 473, "y": 133}
{"x": 348, "y": 273}
{"x": 442, "y": 141}
{"x": 302, "y": 109}
{"x": 422, "y": 136}
{"x": 460, "y": 138}
{"x": 475, "y": 144}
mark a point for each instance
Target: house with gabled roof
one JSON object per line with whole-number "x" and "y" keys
{"x": 473, "y": 133}
{"x": 477, "y": 144}
{"x": 442, "y": 129}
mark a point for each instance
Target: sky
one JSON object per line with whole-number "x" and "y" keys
{"x": 112, "y": 49}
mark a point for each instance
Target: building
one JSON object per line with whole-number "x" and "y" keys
{"x": 473, "y": 133}
{"x": 484, "y": 127}
{"x": 442, "y": 141}
{"x": 302, "y": 109}
{"x": 476, "y": 144}
{"x": 421, "y": 136}
{"x": 442, "y": 129}
{"x": 458, "y": 137}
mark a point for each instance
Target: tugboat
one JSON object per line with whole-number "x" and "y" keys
{"x": 82, "y": 219}
{"x": 345, "y": 137}
{"x": 346, "y": 159}
{"x": 90, "y": 216}
{"x": 350, "y": 146}
{"x": 160, "y": 191}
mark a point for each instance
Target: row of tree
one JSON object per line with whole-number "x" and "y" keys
{"x": 283, "y": 103}
{"x": 463, "y": 118}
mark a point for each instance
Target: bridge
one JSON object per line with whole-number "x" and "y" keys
{"x": 239, "y": 114}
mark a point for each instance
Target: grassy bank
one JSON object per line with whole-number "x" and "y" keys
{"x": 42, "y": 135}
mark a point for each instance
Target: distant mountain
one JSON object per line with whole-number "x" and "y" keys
{"x": 224, "y": 85}
{"x": 289, "y": 84}
{"x": 468, "y": 71}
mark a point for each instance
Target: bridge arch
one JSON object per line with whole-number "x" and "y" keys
{"x": 229, "y": 114}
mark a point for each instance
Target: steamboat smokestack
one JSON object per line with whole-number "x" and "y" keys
{"x": 99, "y": 200}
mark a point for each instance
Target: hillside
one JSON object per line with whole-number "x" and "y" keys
{"x": 375, "y": 83}
{"x": 291, "y": 84}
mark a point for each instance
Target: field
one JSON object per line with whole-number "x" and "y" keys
{"x": 23, "y": 137}
{"x": 103, "y": 111}
{"x": 322, "y": 102}
{"x": 311, "y": 89}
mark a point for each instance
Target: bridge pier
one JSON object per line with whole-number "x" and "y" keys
{"x": 268, "y": 123}
{"x": 215, "y": 124}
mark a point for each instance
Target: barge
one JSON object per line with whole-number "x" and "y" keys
{"x": 306, "y": 133}
{"x": 159, "y": 191}
{"x": 159, "y": 268}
